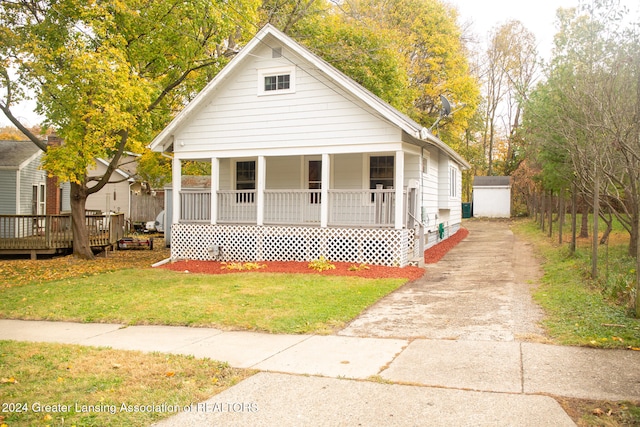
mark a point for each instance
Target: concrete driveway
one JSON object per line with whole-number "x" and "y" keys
{"x": 479, "y": 291}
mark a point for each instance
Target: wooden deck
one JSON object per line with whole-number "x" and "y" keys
{"x": 51, "y": 234}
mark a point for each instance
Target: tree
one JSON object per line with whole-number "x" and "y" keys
{"x": 408, "y": 52}
{"x": 106, "y": 75}
{"x": 593, "y": 106}
{"x": 510, "y": 69}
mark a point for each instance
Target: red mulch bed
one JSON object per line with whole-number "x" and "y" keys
{"x": 434, "y": 253}
{"x": 342, "y": 269}
{"x": 431, "y": 255}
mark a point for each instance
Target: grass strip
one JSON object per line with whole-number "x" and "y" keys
{"x": 66, "y": 385}
{"x": 578, "y": 310}
{"x": 270, "y": 302}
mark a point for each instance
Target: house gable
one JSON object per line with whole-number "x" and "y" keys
{"x": 240, "y": 116}
{"x": 324, "y": 108}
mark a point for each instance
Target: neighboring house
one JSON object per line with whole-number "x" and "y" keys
{"x": 305, "y": 163}
{"x": 22, "y": 182}
{"x": 115, "y": 196}
{"x": 122, "y": 194}
{"x": 492, "y": 196}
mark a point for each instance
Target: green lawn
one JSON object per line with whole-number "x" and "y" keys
{"x": 579, "y": 310}
{"x": 271, "y": 302}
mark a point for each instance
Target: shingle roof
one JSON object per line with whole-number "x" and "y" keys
{"x": 491, "y": 181}
{"x": 14, "y": 153}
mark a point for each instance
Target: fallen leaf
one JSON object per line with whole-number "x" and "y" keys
{"x": 597, "y": 412}
{"x": 170, "y": 374}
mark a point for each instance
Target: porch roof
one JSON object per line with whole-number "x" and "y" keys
{"x": 418, "y": 134}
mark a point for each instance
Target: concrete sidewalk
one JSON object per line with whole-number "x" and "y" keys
{"x": 446, "y": 382}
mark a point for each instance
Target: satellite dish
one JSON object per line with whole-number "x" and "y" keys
{"x": 446, "y": 106}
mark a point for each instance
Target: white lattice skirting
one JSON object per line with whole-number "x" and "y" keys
{"x": 280, "y": 243}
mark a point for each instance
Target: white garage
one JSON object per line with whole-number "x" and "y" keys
{"x": 492, "y": 196}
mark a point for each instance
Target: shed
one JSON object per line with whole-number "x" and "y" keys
{"x": 492, "y": 196}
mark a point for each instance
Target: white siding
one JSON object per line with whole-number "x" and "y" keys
{"x": 492, "y": 202}
{"x": 317, "y": 114}
{"x": 284, "y": 173}
{"x": 430, "y": 191}
{"x": 112, "y": 197}
{"x": 348, "y": 170}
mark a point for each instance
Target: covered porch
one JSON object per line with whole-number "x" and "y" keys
{"x": 344, "y": 206}
{"x": 340, "y": 190}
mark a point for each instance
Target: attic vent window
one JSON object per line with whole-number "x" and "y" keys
{"x": 276, "y": 52}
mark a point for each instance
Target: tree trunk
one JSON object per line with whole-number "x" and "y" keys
{"x": 574, "y": 219}
{"x": 584, "y": 229}
{"x": 561, "y": 209}
{"x": 550, "y": 213}
{"x": 596, "y": 218}
{"x": 81, "y": 245}
{"x": 543, "y": 209}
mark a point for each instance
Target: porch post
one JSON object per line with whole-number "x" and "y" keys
{"x": 324, "y": 190}
{"x": 399, "y": 185}
{"x": 176, "y": 185}
{"x": 260, "y": 186}
{"x": 215, "y": 186}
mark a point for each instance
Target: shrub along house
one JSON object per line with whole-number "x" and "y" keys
{"x": 305, "y": 163}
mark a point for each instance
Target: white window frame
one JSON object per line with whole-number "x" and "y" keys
{"x": 425, "y": 162}
{"x": 280, "y": 71}
{"x": 453, "y": 182}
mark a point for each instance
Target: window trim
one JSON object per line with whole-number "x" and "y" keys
{"x": 453, "y": 182}
{"x": 271, "y": 72}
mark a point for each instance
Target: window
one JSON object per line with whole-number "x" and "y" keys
{"x": 274, "y": 81}
{"x": 245, "y": 180}
{"x": 279, "y": 82}
{"x": 453, "y": 182}
{"x": 381, "y": 171}
{"x": 425, "y": 163}
{"x": 315, "y": 180}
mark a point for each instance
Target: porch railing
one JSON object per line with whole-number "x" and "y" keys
{"x": 362, "y": 207}
{"x": 372, "y": 208}
{"x": 237, "y": 206}
{"x": 292, "y": 207}
{"x": 195, "y": 205}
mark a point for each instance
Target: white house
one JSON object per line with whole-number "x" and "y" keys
{"x": 492, "y": 196}
{"x": 305, "y": 163}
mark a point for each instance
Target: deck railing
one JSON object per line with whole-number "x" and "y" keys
{"x": 24, "y": 232}
{"x": 373, "y": 208}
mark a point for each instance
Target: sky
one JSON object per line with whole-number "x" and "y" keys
{"x": 537, "y": 16}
